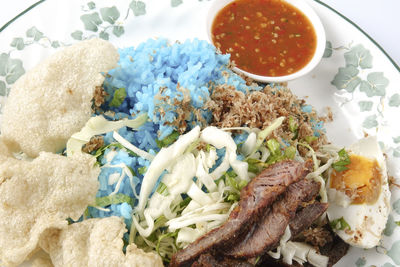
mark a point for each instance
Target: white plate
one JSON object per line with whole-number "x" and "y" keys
{"x": 356, "y": 78}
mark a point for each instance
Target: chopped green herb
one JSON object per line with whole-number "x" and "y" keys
{"x": 114, "y": 199}
{"x": 272, "y": 159}
{"x": 274, "y": 146}
{"x": 184, "y": 203}
{"x": 339, "y": 224}
{"x": 261, "y": 136}
{"x": 233, "y": 197}
{"x": 231, "y": 173}
{"x": 231, "y": 180}
{"x": 118, "y": 98}
{"x": 339, "y": 168}
{"x": 162, "y": 189}
{"x": 132, "y": 171}
{"x": 86, "y": 214}
{"x": 168, "y": 140}
{"x": 237, "y": 186}
{"x": 171, "y": 237}
{"x": 293, "y": 126}
{"x": 142, "y": 170}
{"x": 344, "y": 160}
{"x": 160, "y": 221}
{"x": 309, "y": 139}
{"x": 255, "y": 165}
{"x": 242, "y": 184}
{"x": 208, "y": 147}
{"x": 290, "y": 152}
{"x": 192, "y": 146}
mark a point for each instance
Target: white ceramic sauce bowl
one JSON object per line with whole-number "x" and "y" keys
{"x": 301, "y": 5}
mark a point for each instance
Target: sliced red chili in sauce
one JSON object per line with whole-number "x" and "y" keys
{"x": 265, "y": 37}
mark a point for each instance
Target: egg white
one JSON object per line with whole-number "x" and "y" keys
{"x": 367, "y": 221}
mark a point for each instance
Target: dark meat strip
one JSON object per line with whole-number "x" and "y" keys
{"x": 335, "y": 250}
{"x": 271, "y": 262}
{"x": 303, "y": 220}
{"x": 266, "y": 234}
{"x": 305, "y": 217}
{"x": 208, "y": 260}
{"x": 254, "y": 199}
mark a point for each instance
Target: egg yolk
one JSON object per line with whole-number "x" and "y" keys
{"x": 361, "y": 182}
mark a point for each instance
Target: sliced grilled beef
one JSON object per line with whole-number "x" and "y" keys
{"x": 305, "y": 217}
{"x": 335, "y": 250}
{"x": 303, "y": 220}
{"x": 254, "y": 200}
{"x": 266, "y": 234}
{"x": 208, "y": 260}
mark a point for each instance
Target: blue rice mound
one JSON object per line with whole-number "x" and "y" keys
{"x": 156, "y": 75}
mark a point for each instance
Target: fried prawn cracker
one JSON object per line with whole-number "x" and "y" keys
{"x": 41, "y": 194}
{"x": 41, "y": 259}
{"x": 53, "y": 100}
{"x": 3, "y": 148}
{"x": 95, "y": 242}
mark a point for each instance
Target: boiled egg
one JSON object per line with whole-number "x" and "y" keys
{"x": 359, "y": 197}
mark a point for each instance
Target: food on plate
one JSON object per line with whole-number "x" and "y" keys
{"x": 53, "y": 100}
{"x": 255, "y": 201}
{"x": 190, "y": 164}
{"x": 306, "y": 216}
{"x": 3, "y": 148}
{"x": 359, "y": 195}
{"x": 268, "y": 38}
{"x": 39, "y": 195}
{"x": 95, "y": 242}
{"x": 264, "y": 237}
{"x": 41, "y": 259}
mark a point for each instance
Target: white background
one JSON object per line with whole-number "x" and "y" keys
{"x": 378, "y": 18}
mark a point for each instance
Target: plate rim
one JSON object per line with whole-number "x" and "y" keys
{"x": 318, "y": 3}
{"x": 31, "y": 7}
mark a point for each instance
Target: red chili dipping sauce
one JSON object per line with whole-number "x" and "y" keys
{"x": 265, "y": 37}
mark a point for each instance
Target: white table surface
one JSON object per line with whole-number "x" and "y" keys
{"x": 379, "y": 19}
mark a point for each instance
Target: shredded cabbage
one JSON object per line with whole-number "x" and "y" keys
{"x": 117, "y": 178}
{"x": 164, "y": 159}
{"x": 131, "y": 147}
{"x": 316, "y": 174}
{"x": 99, "y": 125}
{"x": 220, "y": 139}
{"x": 208, "y": 201}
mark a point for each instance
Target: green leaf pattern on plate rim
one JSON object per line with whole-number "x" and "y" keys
{"x": 361, "y": 262}
{"x": 358, "y": 76}
{"x": 107, "y": 21}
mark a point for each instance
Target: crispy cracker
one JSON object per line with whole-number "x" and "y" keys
{"x": 95, "y": 242}
{"x": 41, "y": 194}
{"x": 53, "y": 100}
